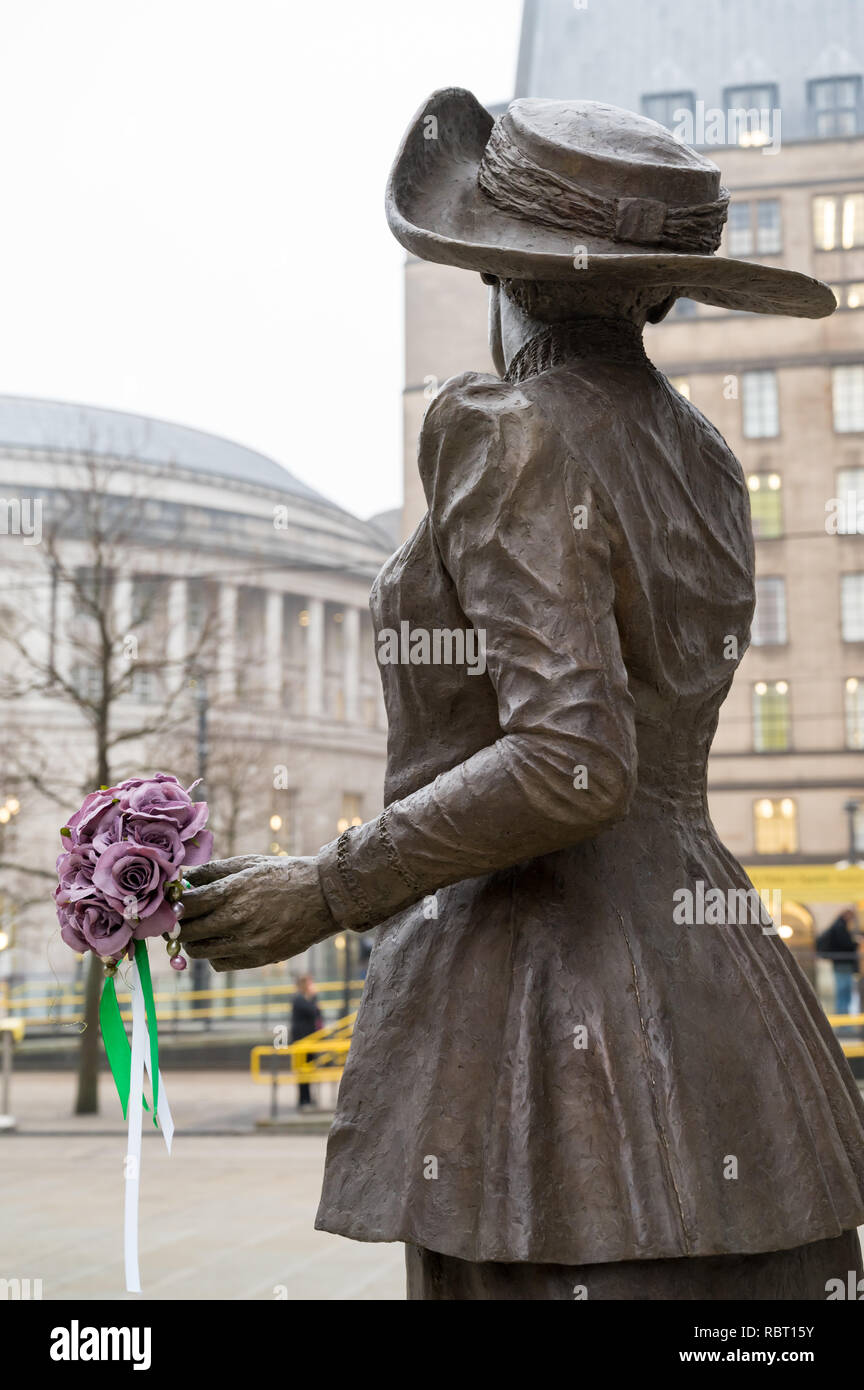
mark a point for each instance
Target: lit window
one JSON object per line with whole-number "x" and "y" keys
{"x": 748, "y": 113}
{"x": 766, "y": 505}
{"x": 850, "y": 495}
{"x": 760, "y": 415}
{"x": 775, "y": 825}
{"x": 852, "y": 607}
{"x": 352, "y": 811}
{"x": 769, "y": 620}
{"x": 838, "y": 222}
{"x": 668, "y": 107}
{"x": 835, "y": 104}
{"x": 681, "y": 385}
{"x": 849, "y": 295}
{"x": 847, "y": 393}
{"x": 771, "y": 716}
{"x": 855, "y": 712}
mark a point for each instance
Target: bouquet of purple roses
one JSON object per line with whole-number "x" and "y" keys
{"x": 120, "y": 882}
{"x": 120, "y": 870}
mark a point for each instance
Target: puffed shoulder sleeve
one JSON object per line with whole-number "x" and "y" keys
{"x": 522, "y": 533}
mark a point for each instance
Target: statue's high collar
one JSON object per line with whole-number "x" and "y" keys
{"x": 609, "y": 340}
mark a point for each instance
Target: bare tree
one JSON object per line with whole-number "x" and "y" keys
{"x": 89, "y": 650}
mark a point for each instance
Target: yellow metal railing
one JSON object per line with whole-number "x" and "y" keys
{"x": 852, "y": 1047}
{"x": 320, "y": 1056}
{"x": 329, "y": 1045}
{"x": 182, "y": 1005}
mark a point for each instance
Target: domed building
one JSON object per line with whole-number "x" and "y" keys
{"x": 172, "y": 600}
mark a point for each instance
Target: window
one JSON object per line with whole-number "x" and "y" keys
{"x": 838, "y": 222}
{"x": 835, "y": 104}
{"x": 768, "y": 235}
{"x": 849, "y": 295}
{"x": 766, "y": 505}
{"x": 142, "y": 687}
{"x": 754, "y": 227}
{"x": 748, "y": 113}
{"x": 771, "y": 716}
{"x": 775, "y": 826}
{"x": 855, "y": 712}
{"x": 760, "y": 418}
{"x": 283, "y": 824}
{"x": 847, "y": 392}
{"x": 148, "y": 593}
{"x": 740, "y": 229}
{"x": 850, "y": 496}
{"x": 667, "y": 107}
{"x": 91, "y": 591}
{"x": 200, "y": 609}
{"x": 681, "y": 385}
{"x": 769, "y": 620}
{"x": 87, "y": 681}
{"x": 852, "y": 607}
{"x": 352, "y": 811}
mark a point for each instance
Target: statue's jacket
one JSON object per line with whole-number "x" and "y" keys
{"x": 549, "y": 1064}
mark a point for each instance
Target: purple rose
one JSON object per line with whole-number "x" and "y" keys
{"x": 160, "y": 833}
{"x": 98, "y": 811}
{"x": 90, "y": 925}
{"x": 162, "y": 796}
{"x": 69, "y": 929}
{"x": 75, "y": 870}
{"x": 132, "y": 879}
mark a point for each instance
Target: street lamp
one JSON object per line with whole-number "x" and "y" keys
{"x": 198, "y": 681}
{"x": 854, "y": 860}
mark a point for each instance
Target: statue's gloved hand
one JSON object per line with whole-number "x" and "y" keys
{"x": 253, "y": 910}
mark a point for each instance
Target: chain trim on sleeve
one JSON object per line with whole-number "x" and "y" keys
{"x": 392, "y": 852}
{"x": 349, "y": 878}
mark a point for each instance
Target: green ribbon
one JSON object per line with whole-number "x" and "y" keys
{"x": 117, "y": 1046}
{"x": 143, "y": 963}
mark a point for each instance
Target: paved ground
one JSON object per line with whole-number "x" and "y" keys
{"x": 204, "y": 1102}
{"x": 228, "y": 1216}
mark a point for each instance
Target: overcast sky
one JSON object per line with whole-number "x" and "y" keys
{"x": 192, "y": 212}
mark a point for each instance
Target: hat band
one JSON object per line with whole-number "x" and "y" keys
{"x": 515, "y": 184}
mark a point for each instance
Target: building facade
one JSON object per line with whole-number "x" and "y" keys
{"x": 773, "y": 94}
{"x": 175, "y": 601}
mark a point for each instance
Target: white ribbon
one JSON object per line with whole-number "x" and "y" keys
{"x": 132, "y": 1166}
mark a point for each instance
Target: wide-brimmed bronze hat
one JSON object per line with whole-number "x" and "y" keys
{"x": 557, "y": 189}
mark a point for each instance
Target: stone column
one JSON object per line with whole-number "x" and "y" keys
{"x": 227, "y": 664}
{"x": 315, "y": 658}
{"x": 271, "y": 666}
{"x": 351, "y": 659}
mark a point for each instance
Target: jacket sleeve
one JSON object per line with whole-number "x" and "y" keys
{"x": 520, "y": 532}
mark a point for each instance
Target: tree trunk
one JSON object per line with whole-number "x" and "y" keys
{"x": 87, "y": 1099}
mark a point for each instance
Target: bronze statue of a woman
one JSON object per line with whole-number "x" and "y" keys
{"x": 556, "y": 1088}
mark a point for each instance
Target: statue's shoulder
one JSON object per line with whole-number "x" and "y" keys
{"x": 462, "y": 402}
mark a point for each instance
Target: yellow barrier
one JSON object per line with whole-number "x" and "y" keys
{"x": 334, "y": 1039}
